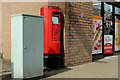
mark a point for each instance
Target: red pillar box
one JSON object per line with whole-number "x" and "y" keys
{"x": 52, "y": 28}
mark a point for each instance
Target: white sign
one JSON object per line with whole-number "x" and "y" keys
{"x": 108, "y": 44}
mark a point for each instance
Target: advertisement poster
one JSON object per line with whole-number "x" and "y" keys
{"x": 119, "y": 37}
{"x": 108, "y": 46}
{"x": 97, "y": 35}
{"x": 117, "y": 24}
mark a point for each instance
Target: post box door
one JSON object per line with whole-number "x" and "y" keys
{"x": 55, "y": 31}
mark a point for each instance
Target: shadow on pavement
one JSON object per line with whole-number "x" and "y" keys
{"x": 54, "y": 72}
{"x": 101, "y": 62}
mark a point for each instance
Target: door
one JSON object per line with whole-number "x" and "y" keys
{"x": 33, "y": 46}
{"x": 56, "y": 31}
{"x": 108, "y": 29}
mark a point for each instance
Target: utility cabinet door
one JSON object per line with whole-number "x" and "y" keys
{"x": 33, "y": 46}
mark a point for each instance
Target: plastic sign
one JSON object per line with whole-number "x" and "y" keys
{"x": 108, "y": 46}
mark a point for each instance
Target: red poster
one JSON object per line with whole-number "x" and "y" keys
{"x": 108, "y": 46}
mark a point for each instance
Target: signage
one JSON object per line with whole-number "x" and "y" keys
{"x": 97, "y": 35}
{"x": 117, "y": 24}
{"x": 119, "y": 37}
{"x": 108, "y": 46}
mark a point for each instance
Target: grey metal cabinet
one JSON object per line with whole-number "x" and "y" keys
{"x": 26, "y": 46}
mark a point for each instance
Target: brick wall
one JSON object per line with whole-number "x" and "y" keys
{"x": 11, "y": 8}
{"x": 78, "y": 33}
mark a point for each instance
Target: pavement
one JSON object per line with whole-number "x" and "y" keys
{"x": 5, "y": 68}
{"x": 103, "y": 68}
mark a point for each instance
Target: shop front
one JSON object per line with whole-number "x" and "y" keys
{"x": 106, "y": 24}
{"x": 91, "y": 30}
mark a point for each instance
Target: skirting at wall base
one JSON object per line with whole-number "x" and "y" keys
{"x": 100, "y": 56}
{"x": 117, "y": 53}
{"x": 97, "y": 57}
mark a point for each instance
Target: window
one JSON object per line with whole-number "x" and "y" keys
{"x": 108, "y": 28}
{"x": 97, "y": 28}
{"x": 107, "y": 12}
{"x": 117, "y": 13}
{"x": 97, "y": 8}
{"x": 55, "y": 20}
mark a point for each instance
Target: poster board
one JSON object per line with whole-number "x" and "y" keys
{"x": 117, "y": 35}
{"x": 97, "y": 35}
